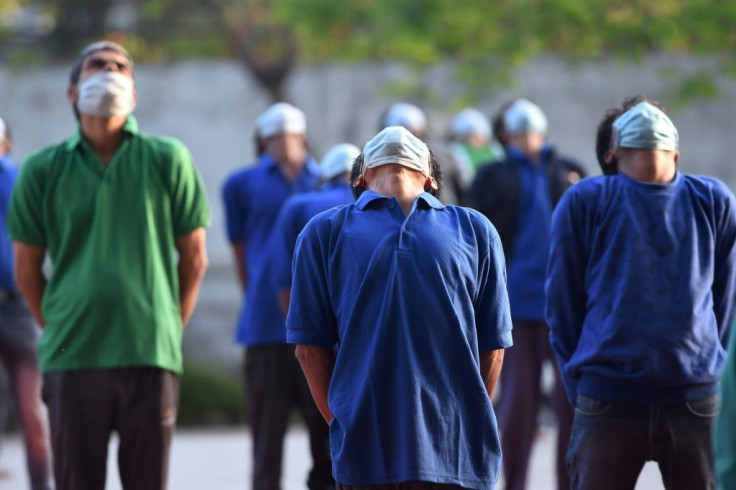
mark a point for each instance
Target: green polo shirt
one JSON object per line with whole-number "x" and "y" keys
{"x": 112, "y": 299}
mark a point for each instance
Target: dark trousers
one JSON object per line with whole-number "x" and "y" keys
{"x": 86, "y": 406}
{"x": 519, "y": 401}
{"x": 611, "y": 441}
{"x": 407, "y": 485}
{"x": 275, "y": 385}
{"x": 18, "y": 353}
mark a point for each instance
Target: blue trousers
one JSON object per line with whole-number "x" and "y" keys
{"x": 611, "y": 441}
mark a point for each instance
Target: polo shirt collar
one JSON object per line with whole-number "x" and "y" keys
{"x": 130, "y": 127}
{"x": 311, "y": 167}
{"x": 369, "y": 196}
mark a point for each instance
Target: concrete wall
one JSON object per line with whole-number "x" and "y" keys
{"x": 211, "y": 106}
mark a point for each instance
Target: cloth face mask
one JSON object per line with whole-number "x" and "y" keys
{"x": 106, "y": 94}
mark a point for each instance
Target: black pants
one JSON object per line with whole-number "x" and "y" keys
{"x": 275, "y": 385}
{"x": 86, "y": 406}
{"x": 407, "y": 485}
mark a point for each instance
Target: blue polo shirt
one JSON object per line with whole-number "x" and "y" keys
{"x": 527, "y": 266}
{"x": 410, "y": 301}
{"x": 8, "y": 174}
{"x": 295, "y": 214}
{"x": 253, "y": 198}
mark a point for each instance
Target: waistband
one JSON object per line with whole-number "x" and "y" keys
{"x": 624, "y": 390}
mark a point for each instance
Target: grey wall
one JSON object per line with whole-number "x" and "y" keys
{"x": 211, "y": 107}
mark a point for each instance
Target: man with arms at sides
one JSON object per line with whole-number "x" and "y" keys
{"x": 253, "y": 197}
{"x": 19, "y": 340}
{"x": 518, "y": 195}
{"x": 298, "y": 210}
{"x": 122, "y": 216}
{"x": 412, "y": 293}
{"x": 640, "y": 297}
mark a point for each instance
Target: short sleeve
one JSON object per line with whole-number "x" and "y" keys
{"x": 492, "y": 310}
{"x": 311, "y": 319}
{"x": 25, "y": 213}
{"x": 190, "y": 209}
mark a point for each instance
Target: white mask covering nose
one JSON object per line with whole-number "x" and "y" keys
{"x": 106, "y": 94}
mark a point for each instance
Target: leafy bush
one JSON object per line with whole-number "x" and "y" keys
{"x": 209, "y": 397}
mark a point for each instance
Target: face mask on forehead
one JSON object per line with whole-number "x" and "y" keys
{"x": 106, "y": 94}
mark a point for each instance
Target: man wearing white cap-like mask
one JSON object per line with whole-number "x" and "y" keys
{"x": 412, "y": 295}
{"x": 19, "y": 342}
{"x": 273, "y": 381}
{"x": 518, "y": 196}
{"x": 640, "y": 299}
{"x": 298, "y": 210}
{"x": 471, "y": 142}
{"x": 122, "y": 215}
{"x": 412, "y": 118}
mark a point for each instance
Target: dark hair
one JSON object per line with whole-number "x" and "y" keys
{"x": 433, "y": 164}
{"x": 498, "y": 125}
{"x": 93, "y": 48}
{"x": 604, "y": 134}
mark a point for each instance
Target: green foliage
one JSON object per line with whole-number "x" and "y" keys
{"x": 209, "y": 397}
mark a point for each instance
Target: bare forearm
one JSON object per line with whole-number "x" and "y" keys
{"x": 240, "y": 264}
{"x": 32, "y": 286}
{"x": 284, "y": 297}
{"x": 317, "y": 364}
{"x": 490, "y": 369}
{"x": 28, "y": 266}
{"x": 192, "y": 266}
{"x": 191, "y": 274}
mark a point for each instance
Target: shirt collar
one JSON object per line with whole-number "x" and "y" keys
{"x": 130, "y": 127}
{"x": 368, "y": 197}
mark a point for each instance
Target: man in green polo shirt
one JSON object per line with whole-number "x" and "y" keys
{"x": 122, "y": 216}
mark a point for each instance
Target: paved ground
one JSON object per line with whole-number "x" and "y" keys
{"x": 219, "y": 460}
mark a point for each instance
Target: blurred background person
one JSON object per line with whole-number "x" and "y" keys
{"x": 472, "y": 143}
{"x": 518, "y": 195}
{"x": 412, "y": 118}
{"x": 274, "y": 382}
{"x": 19, "y": 341}
{"x": 334, "y": 190}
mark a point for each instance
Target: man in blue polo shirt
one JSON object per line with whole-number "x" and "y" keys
{"x": 412, "y": 293}
{"x": 298, "y": 210}
{"x": 273, "y": 382}
{"x": 19, "y": 339}
{"x": 641, "y": 292}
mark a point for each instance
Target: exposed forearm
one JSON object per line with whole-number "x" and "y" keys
{"x": 32, "y": 284}
{"x": 284, "y": 296}
{"x": 192, "y": 266}
{"x": 191, "y": 273}
{"x": 490, "y": 369}
{"x": 240, "y": 264}
{"x": 29, "y": 277}
{"x": 317, "y": 364}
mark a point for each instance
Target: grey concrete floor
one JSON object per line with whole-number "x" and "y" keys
{"x": 220, "y": 460}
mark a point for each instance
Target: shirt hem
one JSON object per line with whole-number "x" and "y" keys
{"x": 622, "y": 390}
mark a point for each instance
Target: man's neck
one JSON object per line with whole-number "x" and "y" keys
{"x": 291, "y": 171}
{"x": 103, "y": 134}
{"x": 406, "y": 195}
{"x": 656, "y": 167}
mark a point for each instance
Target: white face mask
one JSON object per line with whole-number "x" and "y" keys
{"x": 106, "y": 94}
